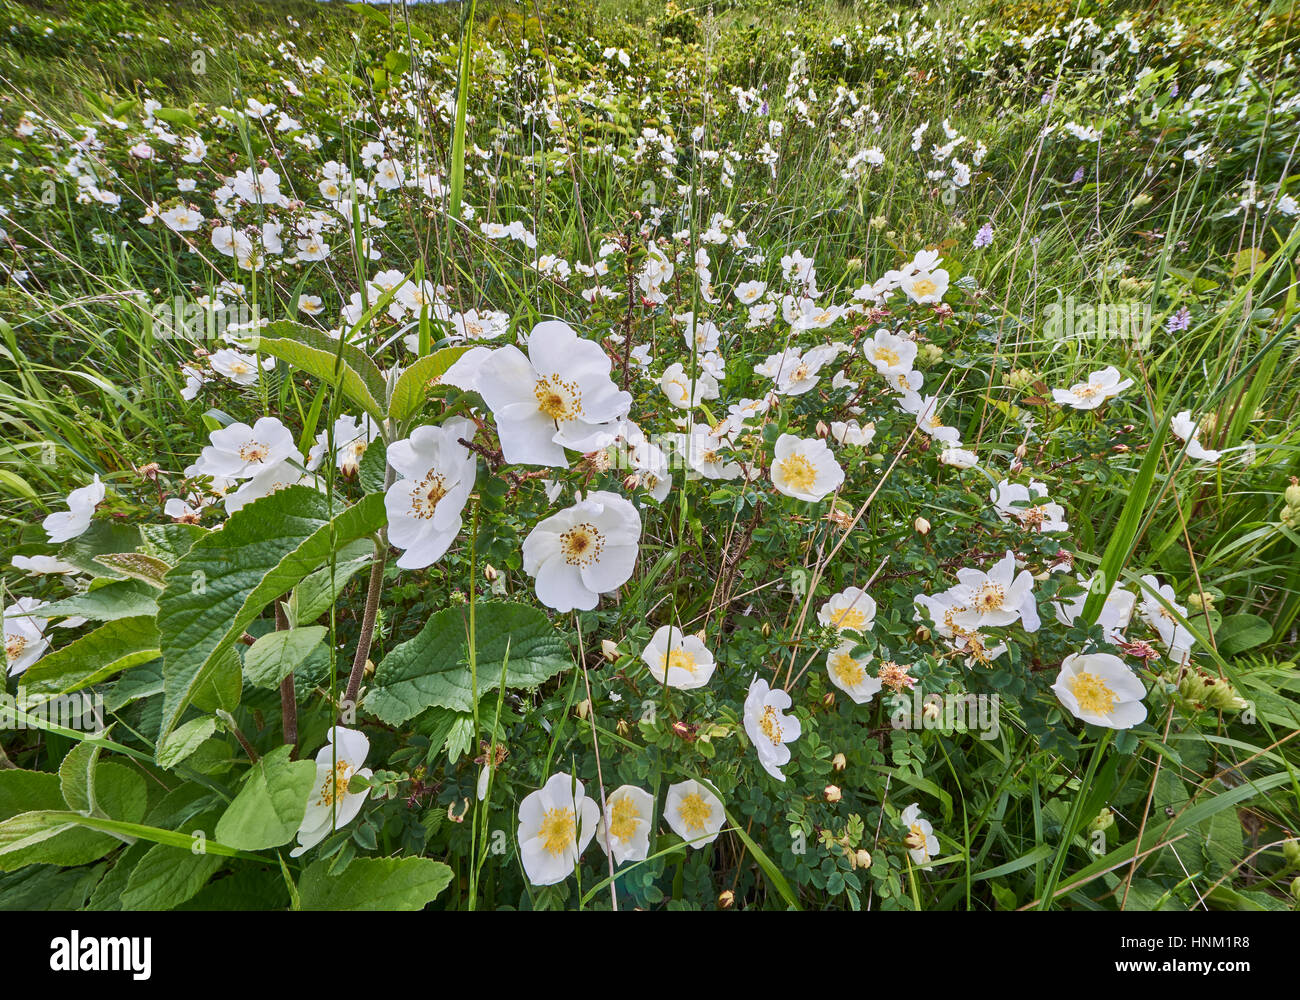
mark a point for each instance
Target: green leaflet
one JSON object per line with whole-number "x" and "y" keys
{"x": 412, "y": 387}
{"x": 111, "y": 602}
{"x": 116, "y": 646}
{"x": 168, "y": 876}
{"x": 374, "y": 884}
{"x": 278, "y": 654}
{"x": 231, "y": 575}
{"x": 432, "y": 669}
{"x": 269, "y": 808}
{"x": 318, "y": 354}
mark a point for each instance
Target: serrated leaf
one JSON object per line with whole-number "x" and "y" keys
{"x": 412, "y": 386}
{"x": 373, "y": 468}
{"x": 276, "y": 655}
{"x": 116, "y": 646}
{"x": 166, "y": 877}
{"x": 44, "y": 887}
{"x": 269, "y": 808}
{"x": 432, "y": 669}
{"x": 136, "y": 566}
{"x": 338, "y": 364}
{"x": 100, "y": 538}
{"x": 261, "y": 553}
{"x": 169, "y": 542}
{"x": 77, "y": 777}
{"x": 184, "y": 740}
{"x": 374, "y": 884}
{"x": 1238, "y": 633}
{"x": 120, "y": 599}
{"x": 318, "y": 591}
{"x": 28, "y": 791}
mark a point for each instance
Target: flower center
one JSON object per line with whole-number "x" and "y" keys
{"x": 695, "y": 812}
{"x": 924, "y": 287}
{"x": 426, "y": 495}
{"x": 1086, "y": 390}
{"x": 849, "y": 671}
{"x": 770, "y": 723}
{"x": 581, "y": 545}
{"x": 254, "y": 451}
{"x": 887, "y": 355}
{"x": 679, "y": 659}
{"x": 1093, "y": 694}
{"x": 558, "y": 399}
{"x": 989, "y": 597}
{"x": 623, "y": 819}
{"x": 798, "y": 472}
{"x": 558, "y": 830}
{"x": 14, "y": 645}
{"x": 336, "y": 784}
{"x": 850, "y": 618}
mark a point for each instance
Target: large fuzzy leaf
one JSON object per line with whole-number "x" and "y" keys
{"x": 374, "y": 884}
{"x": 412, "y": 387}
{"x": 96, "y": 656}
{"x": 231, "y": 575}
{"x": 432, "y": 669}
{"x": 269, "y": 808}
{"x": 342, "y": 365}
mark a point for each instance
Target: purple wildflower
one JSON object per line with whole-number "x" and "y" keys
{"x": 1180, "y": 320}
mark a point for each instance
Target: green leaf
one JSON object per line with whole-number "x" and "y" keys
{"x": 167, "y": 876}
{"x": 269, "y": 808}
{"x": 50, "y": 838}
{"x": 373, "y": 469}
{"x": 278, "y": 654}
{"x": 1224, "y": 843}
{"x": 1123, "y": 536}
{"x": 412, "y": 386}
{"x": 44, "y": 887}
{"x": 432, "y": 669}
{"x": 136, "y": 566}
{"x": 176, "y": 116}
{"x": 184, "y": 740}
{"x": 113, "y": 601}
{"x": 120, "y": 792}
{"x": 35, "y": 833}
{"x": 96, "y": 656}
{"x": 77, "y": 777}
{"x": 342, "y": 365}
{"x": 374, "y": 884}
{"x": 100, "y": 538}
{"x": 28, "y": 791}
{"x": 221, "y": 687}
{"x": 170, "y": 542}
{"x": 230, "y": 575}
{"x": 317, "y": 593}
{"x": 1238, "y": 633}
